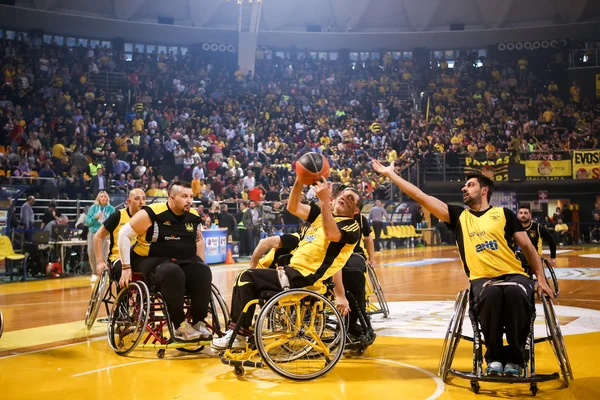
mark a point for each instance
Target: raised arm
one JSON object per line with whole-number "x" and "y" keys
{"x": 295, "y": 205}
{"x": 330, "y": 228}
{"x": 434, "y": 205}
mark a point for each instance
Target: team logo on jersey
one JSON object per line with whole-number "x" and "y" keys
{"x": 189, "y": 227}
{"x": 309, "y": 238}
{"x": 495, "y": 215}
{"x": 532, "y": 234}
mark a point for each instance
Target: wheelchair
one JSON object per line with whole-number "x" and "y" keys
{"x": 298, "y": 333}
{"x": 454, "y": 335}
{"x": 139, "y": 319}
{"x": 103, "y": 293}
{"x": 374, "y": 289}
{"x": 1, "y": 324}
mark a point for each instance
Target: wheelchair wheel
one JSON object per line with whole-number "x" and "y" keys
{"x": 307, "y": 338}
{"x": 129, "y": 318}
{"x": 99, "y": 292}
{"x": 378, "y": 290}
{"x": 1, "y": 324}
{"x": 453, "y": 334}
{"x": 217, "y": 320}
{"x": 551, "y": 277}
{"x": 556, "y": 340}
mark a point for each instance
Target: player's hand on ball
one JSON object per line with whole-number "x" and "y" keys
{"x": 323, "y": 190}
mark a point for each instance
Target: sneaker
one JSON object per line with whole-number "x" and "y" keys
{"x": 494, "y": 368}
{"x": 511, "y": 370}
{"x": 186, "y": 333}
{"x": 205, "y": 334}
{"x": 223, "y": 342}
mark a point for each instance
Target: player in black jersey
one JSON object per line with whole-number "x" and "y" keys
{"x": 537, "y": 234}
{"x": 170, "y": 252}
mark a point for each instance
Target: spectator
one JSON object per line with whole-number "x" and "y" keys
{"x": 561, "y": 231}
{"x": 27, "y": 217}
{"x": 98, "y": 183}
{"x": 226, "y": 220}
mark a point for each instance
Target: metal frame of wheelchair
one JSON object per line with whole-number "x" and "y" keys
{"x": 139, "y": 319}
{"x": 374, "y": 288}
{"x": 299, "y": 334}
{"x": 101, "y": 294}
{"x": 1, "y": 324}
{"x": 454, "y": 335}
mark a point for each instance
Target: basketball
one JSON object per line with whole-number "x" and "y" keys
{"x": 311, "y": 167}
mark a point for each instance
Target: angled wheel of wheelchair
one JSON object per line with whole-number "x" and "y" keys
{"x": 1, "y": 324}
{"x": 300, "y": 334}
{"x": 453, "y": 333}
{"x": 99, "y": 292}
{"x": 129, "y": 318}
{"x": 551, "y": 277}
{"x": 556, "y": 340}
{"x": 378, "y": 290}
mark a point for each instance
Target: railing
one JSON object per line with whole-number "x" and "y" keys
{"x": 584, "y": 58}
{"x": 111, "y": 82}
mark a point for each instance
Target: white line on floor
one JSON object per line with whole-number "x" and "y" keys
{"x": 54, "y": 348}
{"x": 112, "y": 367}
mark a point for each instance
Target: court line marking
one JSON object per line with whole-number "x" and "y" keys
{"x": 111, "y": 367}
{"x": 440, "y": 385}
{"x": 54, "y": 348}
{"x": 46, "y": 302}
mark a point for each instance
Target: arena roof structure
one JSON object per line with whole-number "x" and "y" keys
{"x": 337, "y": 15}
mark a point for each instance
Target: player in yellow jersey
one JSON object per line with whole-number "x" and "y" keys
{"x": 486, "y": 238}
{"x": 112, "y": 226}
{"x": 327, "y": 245}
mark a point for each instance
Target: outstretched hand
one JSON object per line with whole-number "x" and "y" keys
{"x": 381, "y": 170}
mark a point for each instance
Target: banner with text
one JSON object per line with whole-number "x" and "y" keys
{"x": 586, "y": 164}
{"x": 548, "y": 170}
{"x": 494, "y": 168}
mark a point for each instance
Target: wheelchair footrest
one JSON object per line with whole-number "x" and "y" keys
{"x": 504, "y": 379}
{"x": 242, "y": 363}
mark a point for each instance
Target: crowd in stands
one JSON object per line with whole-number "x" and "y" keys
{"x": 237, "y": 136}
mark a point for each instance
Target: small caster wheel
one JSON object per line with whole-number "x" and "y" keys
{"x": 161, "y": 353}
{"x": 475, "y": 387}
{"x": 239, "y": 371}
{"x": 360, "y": 351}
{"x": 533, "y": 388}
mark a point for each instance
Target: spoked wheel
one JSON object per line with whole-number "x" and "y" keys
{"x": 307, "y": 339}
{"x": 217, "y": 320}
{"x": 551, "y": 277}
{"x": 556, "y": 340}
{"x": 453, "y": 334}
{"x": 98, "y": 294}
{"x": 1, "y": 324}
{"x": 129, "y": 318}
{"x": 378, "y": 290}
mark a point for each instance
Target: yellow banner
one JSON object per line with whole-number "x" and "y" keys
{"x": 547, "y": 170}
{"x": 586, "y": 164}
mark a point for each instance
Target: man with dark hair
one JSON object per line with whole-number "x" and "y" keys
{"x": 537, "y": 234}
{"x": 486, "y": 237}
{"x": 169, "y": 252}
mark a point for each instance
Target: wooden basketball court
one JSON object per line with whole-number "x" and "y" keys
{"x": 46, "y": 352}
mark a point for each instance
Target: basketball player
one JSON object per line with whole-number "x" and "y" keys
{"x": 112, "y": 226}
{"x": 327, "y": 245}
{"x": 485, "y": 237}
{"x": 537, "y": 234}
{"x": 169, "y": 253}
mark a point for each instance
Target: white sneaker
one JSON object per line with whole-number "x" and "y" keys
{"x": 205, "y": 334}
{"x": 223, "y": 342}
{"x": 94, "y": 278}
{"x": 185, "y": 333}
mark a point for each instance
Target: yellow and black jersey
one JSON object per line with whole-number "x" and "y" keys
{"x": 365, "y": 230}
{"x": 170, "y": 236}
{"x": 317, "y": 258}
{"x": 289, "y": 243}
{"x": 113, "y": 225}
{"x": 485, "y": 241}
{"x": 537, "y": 234}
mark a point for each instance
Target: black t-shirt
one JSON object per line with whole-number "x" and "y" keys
{"x": 365, "y": 230}
{"x": 48, "y": 217}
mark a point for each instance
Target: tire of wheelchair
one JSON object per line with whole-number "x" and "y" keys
{"x": 136, "y": 295}
{"x": 453, "y": 334}
{"x": 99, "y": 292}
{"x": 1, "y": 324}
{"x": 378, "y": 290}
{"x": 328, "y": 316}
{"x": 556, "y": 340}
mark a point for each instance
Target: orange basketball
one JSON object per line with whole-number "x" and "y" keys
{"x": 311, "y": 167}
